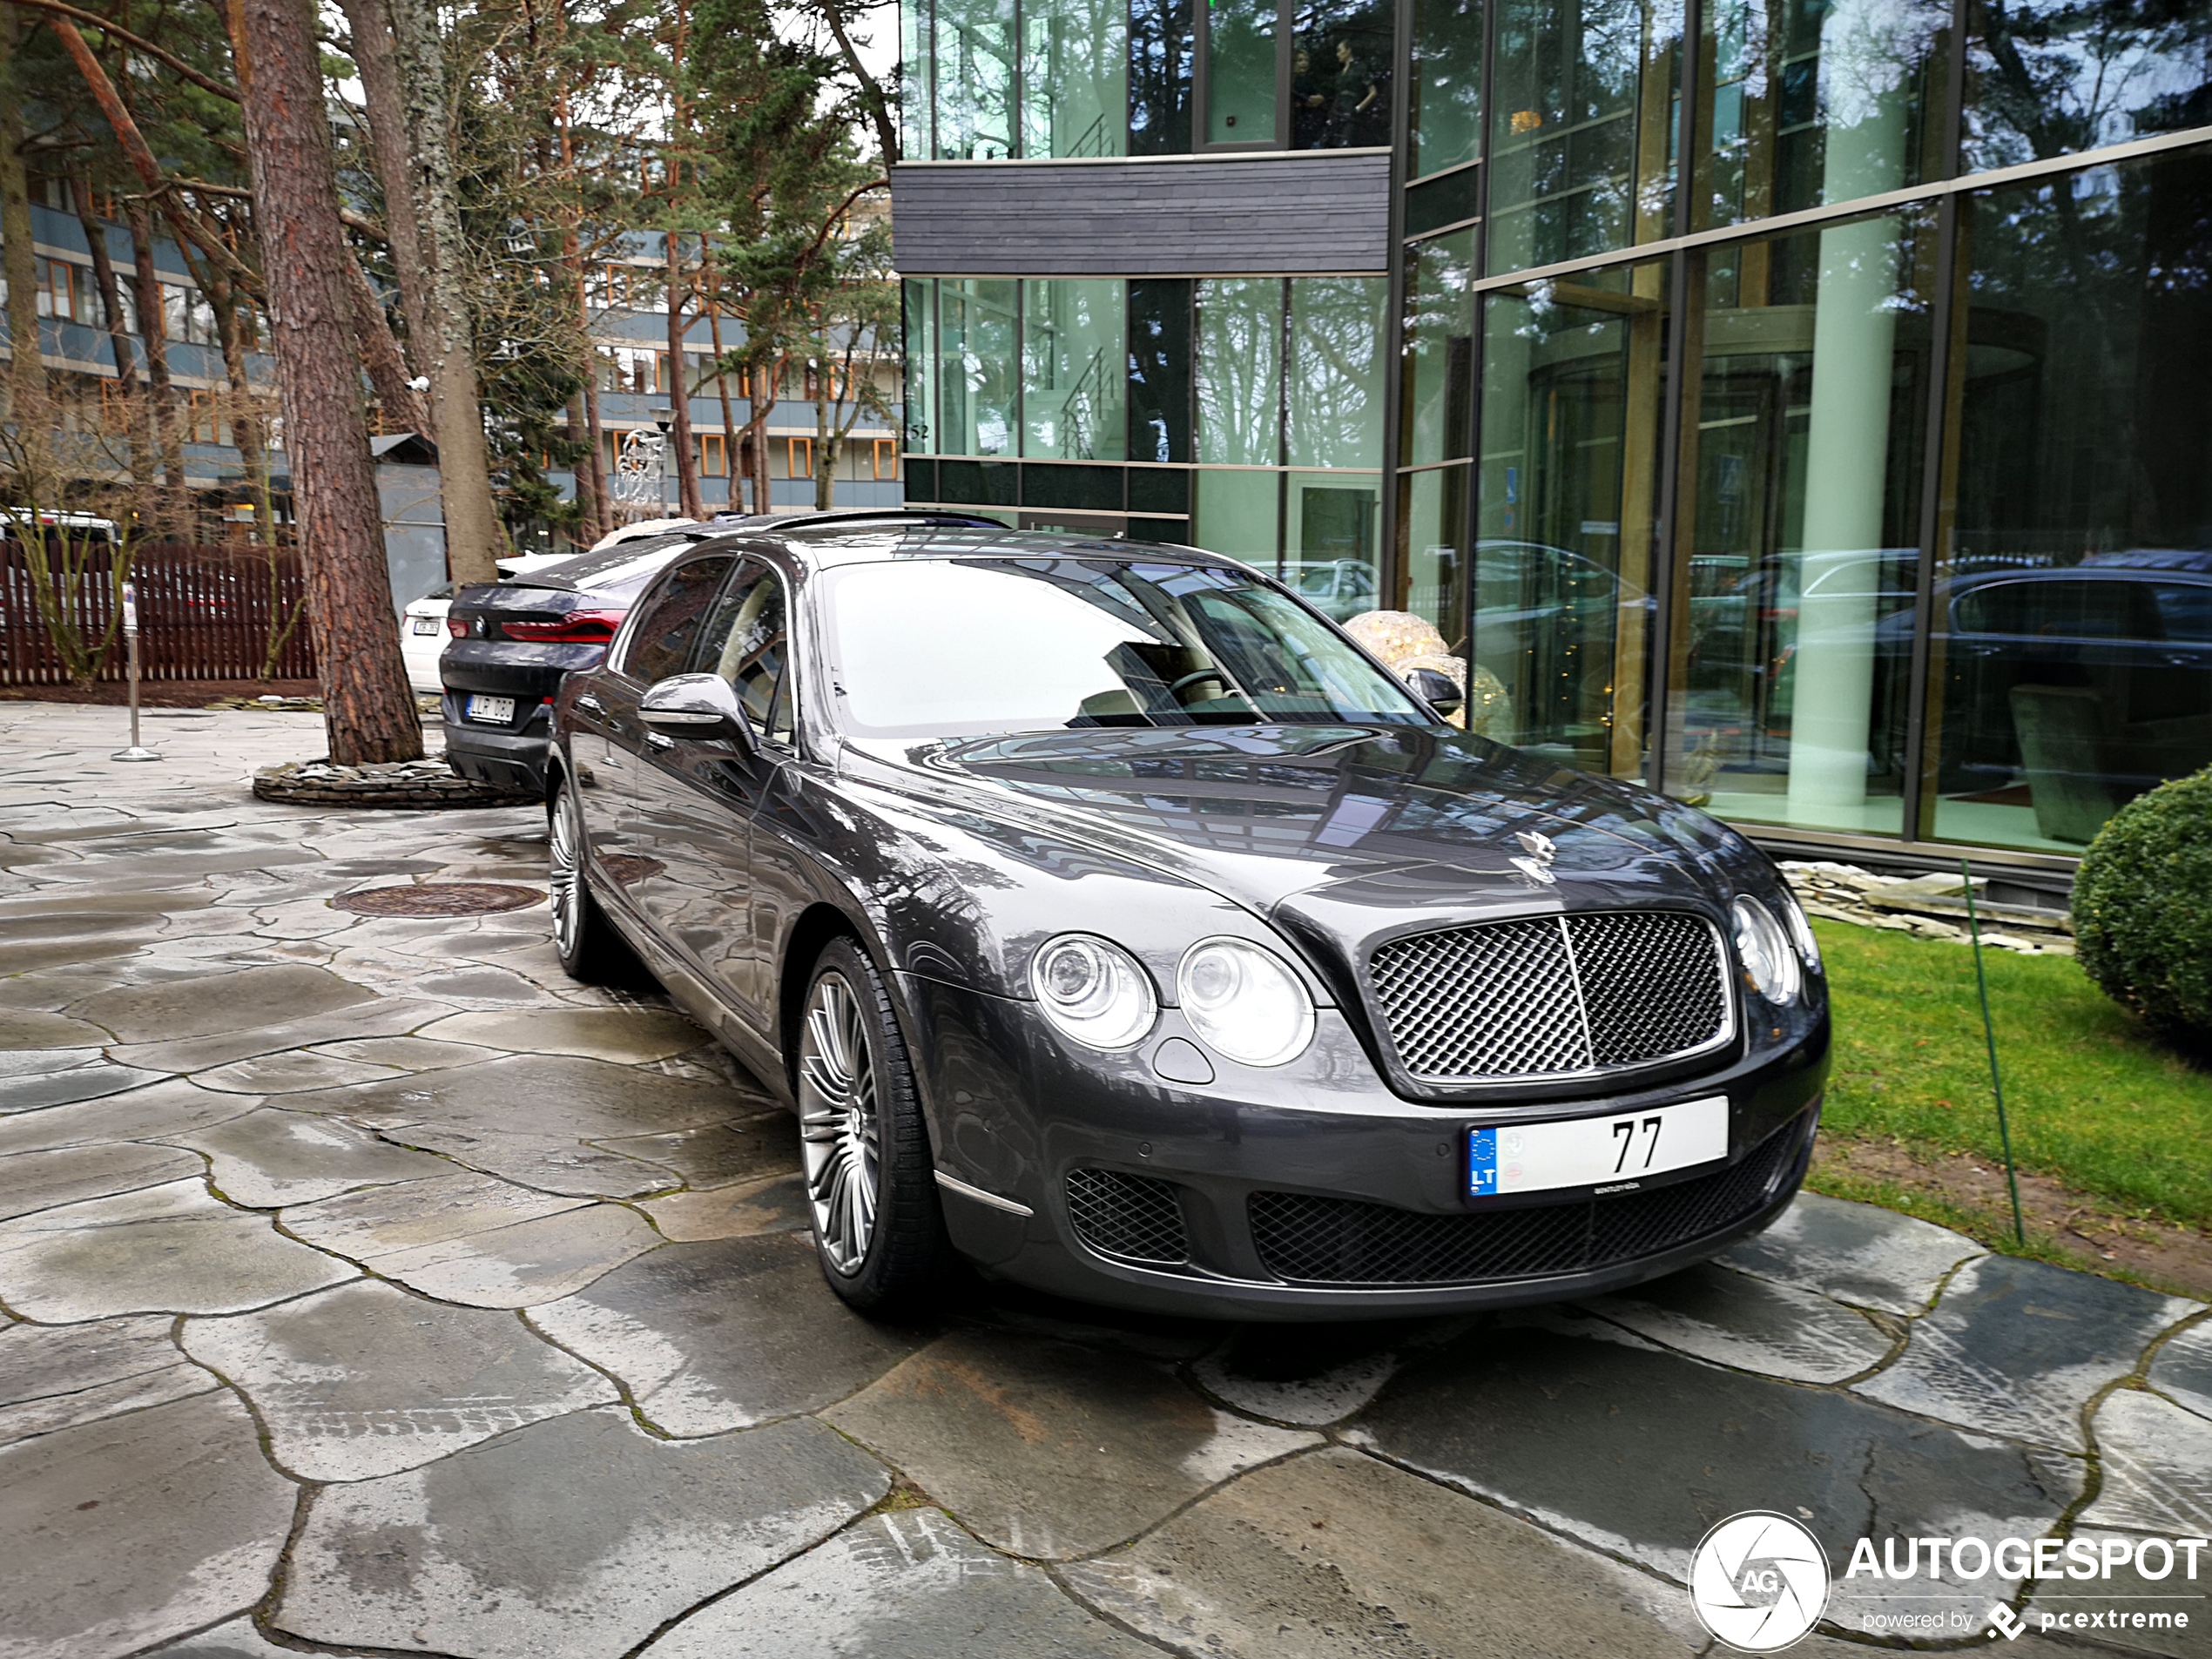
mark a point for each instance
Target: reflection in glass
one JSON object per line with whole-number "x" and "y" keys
{"x": 2072, "y": 661}
{"x": 1331, "y": 551}
{"x": 1444, "y": 127}
{"x": 2051, "y": 78}
{"x": 1339, "y": 75}
{"x": 1793, "y": 612}
{"x": 1075, "y": 78}
{"x": 1818, "y": 104}
{"x": 1159, "y": 370}
{"x": 919, "y": 404}
{"x": 1439, "y": 349}
{"x": 1570, "y": 435}
{"x": 1074, "y": 379}
{"x": 1580, "y": 127}
{"x": 917, "y": 78}
{"x": 977, "y": 375}
{"x": 1236, "y": 515}
{"x": 975, "y": 51}
{"x": 1240, "y": 371}
{"x": 1162, "y": 57}
{"x": 1432, "y": 535}
{"x": 1335, "y": 397}
{"x": 1240, "y": 71}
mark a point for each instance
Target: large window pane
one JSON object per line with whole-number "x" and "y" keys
{"x": 1236, "y": 515}
{"x": 1336, "y": 379}
{"x": 1339, "y": 75}
{"x": 1433, "y": 537}
{"x": 1816, "y": 102}
{"x": 1074, "y": 385}
{"x": 1438, "y": 368}
{"x": 1331, "y": 550}
{"x": 1240, "y": 71}
{"x": 917, "y": 73}
{"x": 1163, "y": 54}
{"x": 975, "y": 42}
{"x": 977, "y": 377}
{"x": 1571, "y": 427}
{"x": 1159, "y": 370}
{"x": 2073, "y": 611}
{"x": 2050, "y": 78}
{"x": 1075, "y": 78}
{"x": 1444, "y": 127}
{"x": 1793, "y": 604}
{"x": 1580, "y": 127}
{"x": 920, "y": 405}
{"x": 1240, "y": 371}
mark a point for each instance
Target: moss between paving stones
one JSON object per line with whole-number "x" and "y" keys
{"x": 408, "y": 785}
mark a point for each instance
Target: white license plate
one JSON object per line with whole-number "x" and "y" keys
{"x": 425, "y": 624}
{"x": 1601, "y": 1153}
{"x": 499, "y": 709}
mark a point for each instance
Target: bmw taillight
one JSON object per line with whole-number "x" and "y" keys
{"x": 577, "y": 628}
{"x": 457, "y": 628}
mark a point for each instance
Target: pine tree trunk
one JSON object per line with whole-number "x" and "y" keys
{"x": 27, "y": 370}
{"x": 369, "y": 710}
{"x": 163, "y": 436}
{"x": 687, "y": 452}
{"x": 474, "y": 535}
{"x": 402, "y": 405}
{"x": 370, "y": 24}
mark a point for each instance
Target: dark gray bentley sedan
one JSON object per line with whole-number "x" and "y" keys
{"x": 1111, "y": 919}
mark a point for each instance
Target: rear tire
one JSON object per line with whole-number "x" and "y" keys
{"x": 589, "y": 947}
{"x": 871, "y": 1182}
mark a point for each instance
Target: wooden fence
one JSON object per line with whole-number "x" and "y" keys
{"x": 204, "y": 613}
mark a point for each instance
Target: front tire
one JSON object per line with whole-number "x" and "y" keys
{"x": 870, "y": 1185}
{"x": 583, "y": 937}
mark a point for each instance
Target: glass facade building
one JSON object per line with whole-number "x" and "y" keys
{"x": 1802, "y": 405}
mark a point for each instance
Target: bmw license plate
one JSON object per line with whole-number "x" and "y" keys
{"x": 425, "y": 624}
{"x": 498, "y": 710}
{"x": 1601, "y": 1153}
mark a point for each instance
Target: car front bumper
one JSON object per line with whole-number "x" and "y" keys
{"x": 1310, "y": 1191}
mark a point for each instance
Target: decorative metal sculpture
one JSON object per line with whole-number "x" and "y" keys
{"x": 641, "y": 467}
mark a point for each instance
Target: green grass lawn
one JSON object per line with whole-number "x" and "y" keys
{"x": 2095, "y": 1101}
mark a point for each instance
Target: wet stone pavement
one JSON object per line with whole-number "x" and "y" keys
{"x": 367, "y": 1285}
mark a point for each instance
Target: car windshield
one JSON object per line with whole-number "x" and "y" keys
{"x": 938, "y": 648}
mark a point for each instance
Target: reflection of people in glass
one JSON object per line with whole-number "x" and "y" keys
{"x": 1309, "y": 103}
{"x": 1359, "y": 94}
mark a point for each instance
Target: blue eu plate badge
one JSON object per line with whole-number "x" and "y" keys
{"x": 1482, "y": 1163}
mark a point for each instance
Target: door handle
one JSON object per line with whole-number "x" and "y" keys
{"x": 656, "y": 740}
{"x": 587, "y": 701}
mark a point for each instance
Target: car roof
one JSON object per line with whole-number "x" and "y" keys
{"x": 863, "y": 537}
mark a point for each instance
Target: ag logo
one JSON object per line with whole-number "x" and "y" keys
{"x": 1759, "y": 1582}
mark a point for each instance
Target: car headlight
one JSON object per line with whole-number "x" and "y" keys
{"x": 1800, "y": 926}
{"x": 1765, "y": 951}
{"x": 1094, "y": 991}
{"x": 1244, "y": 1001}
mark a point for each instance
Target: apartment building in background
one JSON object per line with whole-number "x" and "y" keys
{"x": 1803, "y": 406}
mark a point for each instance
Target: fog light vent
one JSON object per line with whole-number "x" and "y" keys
{"x": 1130, "y": 1216}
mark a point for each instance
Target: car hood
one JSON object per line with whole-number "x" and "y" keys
{"x": 1356, "y": 831}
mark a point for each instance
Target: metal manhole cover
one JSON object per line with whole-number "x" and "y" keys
{"x": 627, "y": 867}
{"x": 450, "y": 898}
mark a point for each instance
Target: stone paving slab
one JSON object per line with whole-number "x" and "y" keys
{"x": 365, "y": 1380}
{"x": 2183, "y": 1370}
{"x": 78, "y": 1082}
{"x": 911, "y": 1583}
{"x": 56, "y": 1376}
{"x": 289, "y": 1073}
{"x": 169, "y": 1249}
{"x": 27, "y": 1029}
{"x": 489, "y": 1554}
{"x": 1310, "y": 1375}
{"x": 1334, "y": 1555}
{"x": 405, "y": 1054}
{"x": 710, "y": 1337}
{"x": 1050, "y": 1450}
{"x": 369, "y": 1016}
{"x": 2019, "y": 1347}
{"x": 1856, "y": 1253}
{"x": 121, "y": 1533}
{"x": 236, "y": 1640}
{"x": 1638, "y": 1452}
{"x": 722, "y": 1155}
{"x": 34, "y": 1181}
{"x": 1731, "y": 1319}
{"x": 171, "y": 1107}
{"x": 777, "y": 1206}
{"x": 533, "y": 1094}
{"x": 548, "y": 1162}
{"x": 528, "y": 1263}
{"x": 43, "y": 1063}
{"x": 2157, "y": 1461}
{"x": 270, "y": 1158}
{"x": 626, "y": 1036}
{"x": 199, "y": 1008}
{"x": 369, "y": 1225}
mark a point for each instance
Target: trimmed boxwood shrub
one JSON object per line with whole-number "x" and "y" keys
{"x": 2142, "y": 907}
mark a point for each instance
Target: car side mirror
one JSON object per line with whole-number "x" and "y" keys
{"x": 701, "y": 707}
{"x": 1434, "y": 687}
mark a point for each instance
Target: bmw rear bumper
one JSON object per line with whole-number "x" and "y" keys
{"x": 1310, "y": 1191}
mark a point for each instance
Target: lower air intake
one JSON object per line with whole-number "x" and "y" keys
{"x": 1129, "y": 1216}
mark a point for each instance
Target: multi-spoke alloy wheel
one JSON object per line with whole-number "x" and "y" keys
{"x": 565, "y": 836}
{"x": 839, "y": 1129}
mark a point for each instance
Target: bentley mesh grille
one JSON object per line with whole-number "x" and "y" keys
{"x": 1341, "y": 1241}
{"x": 1586, "y": 992}
{"x": 1130, "y": 1216}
